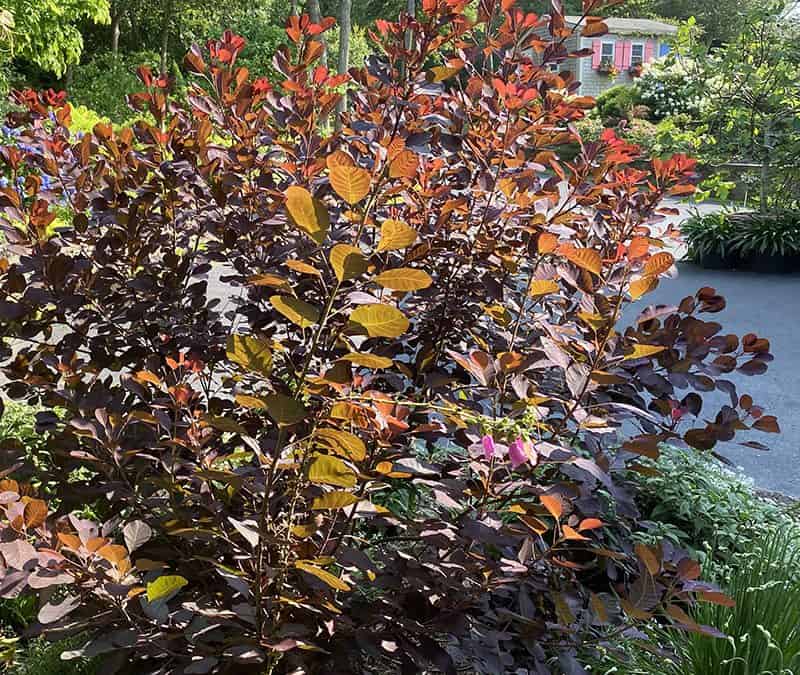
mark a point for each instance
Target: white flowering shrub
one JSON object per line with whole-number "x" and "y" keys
{"x": 668, "y": 88}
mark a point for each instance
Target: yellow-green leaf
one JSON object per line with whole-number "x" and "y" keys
{"x": 271, "y": 280}
{"x": 250, "y": 352}
{"x": 642, "y": 351}
{"x": 351, "y": 183}
{"x": 327, "y": 470}
{"x": 396, "y": 235}
{"x": 334, "y": 500}
{"x": 284, "y": 409}
{"x": 342, "y": 443}
{"x": 404, "y": 279}
{"x": 297, "y": 311}
{"x": 347, "y": 262}
{"x": 323, "y": 575}
{"x": 540, "y": 287}
{"x": 165, "y": 587}
{"x": 248, "y": 401}
{"x": 307, "y": 213}
{"x": 640, "y": 287}
{"x": 440, "y": 73}
{"x": 379, "y": 320}
{"x": 367, "y": 360}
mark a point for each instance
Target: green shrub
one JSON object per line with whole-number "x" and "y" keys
{"x": 776, "y": 233}
{"x": 709, "y": 234}
{"x": 102, "y": 83}
{"x": 668, "y": 88}
{"x": 617, "y": 103}
{"x": 703, "y": 506}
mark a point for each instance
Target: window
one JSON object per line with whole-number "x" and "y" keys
{"x": 637, "y": 54}
{"x": 607, "y": 53}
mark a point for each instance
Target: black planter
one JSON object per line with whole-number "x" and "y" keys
{"x": 717, "y": 261}
{"x": 773, "y": 264}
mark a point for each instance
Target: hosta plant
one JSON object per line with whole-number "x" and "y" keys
{"x": 353, "y": 402}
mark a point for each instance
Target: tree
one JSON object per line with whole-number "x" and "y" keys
{"x": 47, "y": 33}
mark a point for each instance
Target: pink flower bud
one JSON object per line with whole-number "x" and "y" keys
{"x": 517, "y": 454}
{"x": 488, "y": 446}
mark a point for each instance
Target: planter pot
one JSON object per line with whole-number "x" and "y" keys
{"x": 716, "y": 261}
{"x": 773, "y": 264}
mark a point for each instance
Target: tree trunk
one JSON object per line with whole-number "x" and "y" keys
{"x": 293, "y": 9}
{"x": 316, "y": 16}
{"x": 115, "y": 21}
{"x": 344, "y": 54}
{"x": 169, "y": 6}
{"x": 411, "y": 8}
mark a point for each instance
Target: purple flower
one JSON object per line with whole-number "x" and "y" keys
{"x": 488, "y": 446}
{"x": 517, "y": 454}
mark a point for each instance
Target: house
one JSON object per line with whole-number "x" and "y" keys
{"x": 617, "y": 55}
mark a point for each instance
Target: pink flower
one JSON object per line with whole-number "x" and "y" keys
{"x": 488, "y": 446}
{"x": 517, "y": 453}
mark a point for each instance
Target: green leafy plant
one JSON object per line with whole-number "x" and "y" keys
{"x": 774, "y": 234}
{"x": 709, "y": 235}
{"x": 429, "y": 297}
{"x": 702, "y": 506}
{"x": 617, "y": 103}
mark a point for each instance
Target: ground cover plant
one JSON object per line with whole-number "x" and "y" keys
{"x": 256, "y": 335}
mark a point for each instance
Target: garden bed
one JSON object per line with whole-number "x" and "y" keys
{"x": 761, "y": 243}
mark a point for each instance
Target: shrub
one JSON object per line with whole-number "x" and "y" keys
{"x": 703, "y": 506}
{"x": 773, "y": 234}
{"x": 618, "y": 103}
{"x": 709, "y": 235}
{"x": 103, "y": 83}
{"x": 670, "y": 88}
{"x": 426, "y": 303}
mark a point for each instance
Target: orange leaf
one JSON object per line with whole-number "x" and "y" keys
{"x": 638, "y": 248}
{"x": 404, "y": 165}
{"x": 590, "y": 524}
{"x": 553, "y": 504}
{"x": 586, "y": 258}
{"x": 338, "y": 158}
{"x": 649, "y": 558}
{"x": 659, "y": 264}
{"x": 35, "y": 512}
{"x": 640, "y": 287}
{"x": 594, "y": 29}
{"x": 547, "y": 242}
{"x": 351, "y": 183}
{"x": 570, "y": 533}
{"x": 717, "y": 598}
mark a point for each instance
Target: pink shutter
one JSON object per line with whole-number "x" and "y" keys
{"x": 597, "y": 53}
{"x": 627, "y": 54}
{"x": 619, "y": 56}
{"x": 649, "y": 51}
